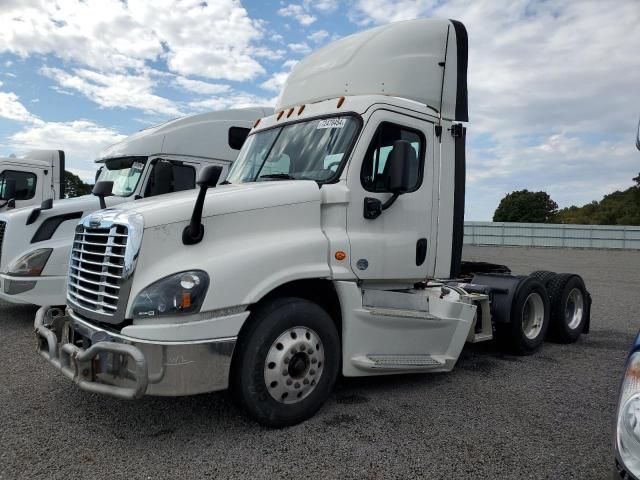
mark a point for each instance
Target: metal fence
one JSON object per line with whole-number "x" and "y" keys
{"x": 552, "y": 235}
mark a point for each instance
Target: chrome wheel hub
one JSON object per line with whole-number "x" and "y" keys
{"x": 532, "y": 316}
{"x": 294, "y": 365}
{"x": 574, "y": 309}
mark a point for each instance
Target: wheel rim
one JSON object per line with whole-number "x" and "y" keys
{"x": 532, "y": 316}
{"x": 574, "y": 309}
{"x": 294, "y": 365}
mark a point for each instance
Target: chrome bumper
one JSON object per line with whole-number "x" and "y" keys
{"x": 105, "y": 362}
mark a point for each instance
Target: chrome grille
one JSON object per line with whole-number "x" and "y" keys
{"x": 2, "y": 227}
{"x": 97, "y": 267}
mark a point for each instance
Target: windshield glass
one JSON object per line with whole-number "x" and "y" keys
{"x": 125, "y": 174}
{"x": 311, "y": 150}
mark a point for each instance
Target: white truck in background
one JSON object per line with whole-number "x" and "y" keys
{"x": 333, "y": 246}
{"x": 32, "y": 179}
{"x": 36, "y": 242}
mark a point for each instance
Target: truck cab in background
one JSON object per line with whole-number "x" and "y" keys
{"x": 334, "y": 246}
{"x": 36, "y": 242}
{"x": 32, "y": 179}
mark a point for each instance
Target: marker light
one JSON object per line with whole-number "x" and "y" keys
{"x": 340, "y": 255}
{"x": 280, "y": 115}
{"x": 290, "y": 112}
{"x": 257, "y": 123}
{"x": 301, "y": 109}
{"x": 340, "y": 101}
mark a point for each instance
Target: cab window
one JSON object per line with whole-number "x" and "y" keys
{"x": 17, "y": 185}
{"x": 374, "y": 173}
{"x": 169, "y": 177}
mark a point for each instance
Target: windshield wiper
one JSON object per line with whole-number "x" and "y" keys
{"x": 279, "y": 176}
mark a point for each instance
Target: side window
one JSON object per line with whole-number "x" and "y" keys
{"x": 184, "y": 178}
{"x": 169, "y": 177}
{"x": 17, "y": 185}
{"x": 375, "y": 169}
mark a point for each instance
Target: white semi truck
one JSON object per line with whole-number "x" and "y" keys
{"x": 334, "y": 246}
{"x": 36, "y": 242}
{"x": 30, "y": 180}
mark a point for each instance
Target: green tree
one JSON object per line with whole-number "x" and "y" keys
{"x": 617, "y": 208}
{"x": 74, "y": 186}
{"x": 526, "y": 206}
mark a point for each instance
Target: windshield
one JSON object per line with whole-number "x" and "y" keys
{"x": 125, "y": 174}
{"x": 311, "y": 150}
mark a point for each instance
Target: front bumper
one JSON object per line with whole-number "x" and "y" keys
{"x": 105, "y": 362}
{"x": 47, "y": 290}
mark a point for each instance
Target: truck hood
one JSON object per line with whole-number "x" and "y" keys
{"x": 224, "y": 199}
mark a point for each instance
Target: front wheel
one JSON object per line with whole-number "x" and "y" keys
{"x": 529, "y": 321}
{"x": 286, "y": 362}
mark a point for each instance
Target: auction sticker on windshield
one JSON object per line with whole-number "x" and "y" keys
{"x": 332, "y": 123}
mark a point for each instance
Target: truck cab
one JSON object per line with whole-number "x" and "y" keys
{"x": 36, "y": 241}
{"x": 334, "y": 246}
{"x": 32, "y": 179}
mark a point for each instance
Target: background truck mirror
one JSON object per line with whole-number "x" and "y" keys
{"x": 35, "y": 213}
{"x": 101, "y": 190}
{"x": 237, "y": 137}
{"x": 194, "y": 232}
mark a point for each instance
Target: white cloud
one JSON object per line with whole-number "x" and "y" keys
{"x": 114, "y": 90}
{"x": 323, "y": 6}
{"x": 82, "y": 140}
{"x": 318, "y": 36}
{"x": 299, "y": 12}
{"x": 278, "y": 79}
{"x": 234, "y": 100}
{"x": 210, "y": 39}
{"x": 552, "y": 86}
{"x": 204, "y": 88}
{"x": 302, "y": 47}
{"x": 11, "y": 108}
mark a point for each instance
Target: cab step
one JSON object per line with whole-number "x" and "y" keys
{"x": 397, "y": 362}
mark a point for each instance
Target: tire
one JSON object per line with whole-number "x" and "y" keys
{"x": 529, "y": 319}
{"x": 279, "y": 374}
{"x": 569, "y": 307}
{"x": 544, "y": 276}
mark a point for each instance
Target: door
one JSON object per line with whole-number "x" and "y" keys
{"x": 23, "y": 186}
{"x": 394, "y": 246}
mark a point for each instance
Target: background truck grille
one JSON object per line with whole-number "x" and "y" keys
{"x": 97, "y": 268}
{"x": 2, "y": 227}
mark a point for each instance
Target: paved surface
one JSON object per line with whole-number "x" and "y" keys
{"x": 495, "y": 416}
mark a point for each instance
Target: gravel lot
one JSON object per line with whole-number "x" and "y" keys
{"x": 550, "y": 415}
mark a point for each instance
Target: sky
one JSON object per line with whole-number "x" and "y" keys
{"x": 554, "y": 85}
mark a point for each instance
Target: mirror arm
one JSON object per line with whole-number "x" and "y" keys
{"x": 391, "y": 201}
{"x": 194, "y": 232}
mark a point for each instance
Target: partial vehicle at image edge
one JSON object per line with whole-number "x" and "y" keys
{"x": 333, "y": 246}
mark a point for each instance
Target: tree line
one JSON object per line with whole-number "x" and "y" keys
{"x": 617, "y": 208}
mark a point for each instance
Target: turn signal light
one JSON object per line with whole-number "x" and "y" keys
{"x": 340, "y": 255}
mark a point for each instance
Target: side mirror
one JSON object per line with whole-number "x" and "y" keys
{"x": 403, "y": 161}
{"x": 237, "y": 137}
{"x": 35, "y": 213}
{"x": 10, "y": 189}
{"x": 101, "y": 190}
{"x": 208, "y": 178}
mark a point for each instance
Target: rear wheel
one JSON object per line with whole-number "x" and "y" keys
{"x": 544, "y": 276}
{"x": 568, "y": 307}
{"x": 524, "y": 334}
{"x": 287, "y": 362}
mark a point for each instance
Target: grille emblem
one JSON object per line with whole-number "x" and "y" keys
{"x": 95, "y": 221}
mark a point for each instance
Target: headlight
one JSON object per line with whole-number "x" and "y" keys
{"x": 30, "y": 264}
{"x": 628, "y": 428}
{"x": 178, "y": 294}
